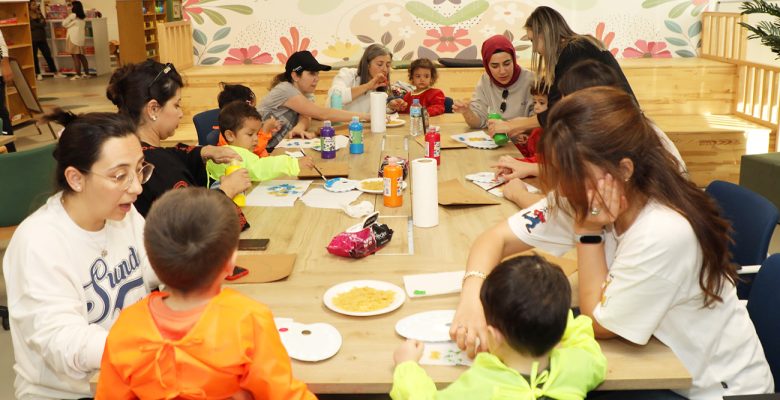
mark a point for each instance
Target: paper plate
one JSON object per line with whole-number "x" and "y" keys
{"x": 308, "y": 342}
{"x": 341, "y": 142}
{"x": 477, "y": 139}
{"x": 395, "y": 123}
{"x": 483, "y": 177}
{"x": 373, "y": 180}
{"x": 398, "y": 300}
{"x": 429, "y": 326}
{"x": 340, "y": 185}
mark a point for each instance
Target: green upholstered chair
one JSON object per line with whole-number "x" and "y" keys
{"x": 27, "y": 181}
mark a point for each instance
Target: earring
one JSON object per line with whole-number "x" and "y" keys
{"x": 154, "y": 118}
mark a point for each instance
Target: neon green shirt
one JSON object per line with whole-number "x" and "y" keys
{"x": 577, "y": 366}
{"x": 260, "y": 169}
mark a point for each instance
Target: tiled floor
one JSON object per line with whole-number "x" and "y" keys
{"x": 85, "y": 96}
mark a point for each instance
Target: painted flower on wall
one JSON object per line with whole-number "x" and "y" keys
{"x": 249, "y": 55}
{"x": 606, "y": 39}
{"x": 386, "y": 16}
{"x": 191, "y": 7}
{"x": 293, "y": 44}
{"x": 447, "y": 39}
{"x": 342, "y": 50}
{"x": 488, "y": 31}
{"x": 508, "y": 14}
{"x": 405, "y": 32}
{"x": 646, "y": 49}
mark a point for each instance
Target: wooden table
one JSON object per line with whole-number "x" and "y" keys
{"x": 5, "y": 139}
{"x": 364, "y": 364}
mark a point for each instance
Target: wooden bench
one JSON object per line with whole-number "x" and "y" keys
{"x": 5, "y": 139}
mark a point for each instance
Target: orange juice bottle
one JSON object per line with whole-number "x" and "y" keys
{"x": 239, "y": 199}
{"x": 394, "y": 175}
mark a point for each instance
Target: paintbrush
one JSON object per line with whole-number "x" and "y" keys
{"x": 315, "y": 166}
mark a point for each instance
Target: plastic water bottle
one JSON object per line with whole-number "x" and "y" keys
{"x": 416, "y": 119}
{"x": 239, "y": 199}
{"x": 355, "y": 136}
{"x": 336, "y": 101}
{"x": 327, "y": 141}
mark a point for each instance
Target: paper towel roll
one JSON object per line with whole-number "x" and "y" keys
{"x": 378, "y": 107}
{"x": 425, "y": 193}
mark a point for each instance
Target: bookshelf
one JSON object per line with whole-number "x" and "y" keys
{"x": 95, "y": 46}
{"x": 15, "y": 25}
{"x": 138, "y": 29}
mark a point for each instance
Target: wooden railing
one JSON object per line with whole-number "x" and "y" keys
{"x": 175, "y": 40}
{"x": 722, "y": 38}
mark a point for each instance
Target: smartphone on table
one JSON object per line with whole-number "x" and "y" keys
{"x": 253, "y": 244}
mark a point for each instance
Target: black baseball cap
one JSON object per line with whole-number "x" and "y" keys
{"x": 304, "y": 61}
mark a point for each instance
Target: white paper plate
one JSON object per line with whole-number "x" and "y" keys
{"x": 395, "y": 123}
{"x": 429, "y": 326}
{"x": 341, "y": 142}
{"x": 483, "y": 177}
{"x": 360, "y": 185}
{"x": 477, "y": 139}
{"x": 399, "y": 299}
{"x": 312, "y": 342}
{"x": 340, "y": 185}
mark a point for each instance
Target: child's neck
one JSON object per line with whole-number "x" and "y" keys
{"x": 178, "y": 301}
{"x": 519, "y": 362}
{"x": 418, "y": 90}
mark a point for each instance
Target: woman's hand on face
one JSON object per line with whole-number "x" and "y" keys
{"x": 509, "y": 168}
{"x": 607, "y": 202}
{"x": 461, "y": 106}
{"x": 219, "y": 154}
{"x": 410, "y": 350}
{"x": 235, "y": 183}
{"x": 397, "y": 105}
{"x": 469, "y": 326}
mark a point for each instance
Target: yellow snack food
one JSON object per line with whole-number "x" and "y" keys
{"x": 373, "y": 185}
{"x": 364, "y": 299}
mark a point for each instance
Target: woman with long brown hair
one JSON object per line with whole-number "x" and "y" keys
{"x": 555, "y": 48}
{"x": 652, "y": 250}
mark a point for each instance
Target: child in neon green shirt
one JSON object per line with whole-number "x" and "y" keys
{"x": 537, "y": 349}
{"x": 239, "y": 123}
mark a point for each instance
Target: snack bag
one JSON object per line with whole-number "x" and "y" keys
{"x": 397, "y": 160}
{"x": 361, "y": 240}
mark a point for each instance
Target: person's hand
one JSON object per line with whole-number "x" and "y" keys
{"x": 271, "y": 125}
{"x": 365, "y": 117}
{"x": 8, "y": 74}
{"x": 378, "y": 81}
{"x": 498, "y": 126}
{"x": 301, "y": 133}
{"x": 219, "y": 154}
{"x": 607, "y": 202}
{"x": 510, "y": 168}
{"x": 410, "y": 350}
{"x": 469, "y": 325}
{"x": 235, "y": 183}
{"x": 397, "y": 105}
{"x": 521, "y": 138}
{"x": 461, "y": 106}
{"x": 513, "y": 189}
{"x": 305, "y": 162}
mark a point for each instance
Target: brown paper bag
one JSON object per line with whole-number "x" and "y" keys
{"x": 447, "y": 142}
{"x": 453, "y": 193}
{"x": 330, "y": 169}
{"x": 264, "y": 267}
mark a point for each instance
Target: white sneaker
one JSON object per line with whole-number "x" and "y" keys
{"x": 39, "y": 77}
{"x": 75, "y": 77}
{"x": 59, "y": 75}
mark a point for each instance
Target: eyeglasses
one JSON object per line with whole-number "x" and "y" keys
{"x": 168, "y": 67}
{"x": 124, "y": 177}
{"x": 504, "y": 95}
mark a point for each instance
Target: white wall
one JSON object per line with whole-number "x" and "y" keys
{"x": 108, "y": 8}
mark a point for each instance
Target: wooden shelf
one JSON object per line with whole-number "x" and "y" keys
{"x": 139, "y": 21}
{"x": 21, "y": 49}
{"x": 151, "y": 42}
{"x": 21, "y": 120}
{"x": 28, "y": 66}
{"x": 16, "y": 24}
{"x": 19, "y": 46}
{"x": 9, "y": 90}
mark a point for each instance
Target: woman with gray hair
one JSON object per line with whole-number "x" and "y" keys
{"x": 372, "y": 74}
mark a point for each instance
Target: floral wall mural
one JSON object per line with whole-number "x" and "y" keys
{"x": 267, "y": 31}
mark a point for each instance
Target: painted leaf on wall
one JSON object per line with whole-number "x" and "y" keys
{"x": 685, "y": 53}
{"x": 408, "y": 56}
{"x": 219, "y": 48}
{"x": 387, "y": 38}
{"x": 215, "y": 17}
{"x": 196, "y": 17}
{"x": 695, "y": 29}
{"x": 676, "y": 41}
{"x": 653, "y": 3}
{"x": 317, "y": 7}
{"x": 678, "y": 9}
{"x": 469, "y": 53}
{"x": 195, "y": 51}
{"x": 246, "y": 10}
{"x": 222, "y": 33}
{"x": 199, "y": 37}
{"x": 209, "y": 61}
{"x": 673, "y": 26}
{"x": 365, "y": 39}
{"x": 698, "y": 9}
{"x": 422, "y": 11}
{"x": 509, "y": 35}
{"x": 399, "y": 46}
{"x": 468, "y": 12}
{"x": 423, "y": 52}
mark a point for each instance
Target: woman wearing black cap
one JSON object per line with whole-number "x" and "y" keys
{"x": 291, "y": 99}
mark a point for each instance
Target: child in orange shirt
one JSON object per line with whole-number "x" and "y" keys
{"x": 196, "y": 339}
{"x": 422, "y": 74}
{"x": 231, "y": 93}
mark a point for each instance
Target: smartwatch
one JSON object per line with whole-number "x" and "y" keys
{"x": 589, "y": 238}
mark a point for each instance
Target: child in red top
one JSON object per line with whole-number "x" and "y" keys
{"x": 422, "y": 74}
{"x": 526, "y": 143}
{"x": 231, "y": 93}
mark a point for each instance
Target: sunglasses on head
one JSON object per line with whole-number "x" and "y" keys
{"x": 504, "y": 95}
{"x": 167, "y": 68}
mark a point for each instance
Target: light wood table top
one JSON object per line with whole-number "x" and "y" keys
{"x": 364, "y": 364}
{"x": 5, "y": 139}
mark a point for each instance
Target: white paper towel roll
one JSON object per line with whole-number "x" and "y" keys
{"x": 378, "y": 107}
{"x": 425, "y": 193}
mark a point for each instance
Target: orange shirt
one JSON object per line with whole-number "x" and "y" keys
{"x": 173, "y": 324}
{"x": 234, "y": 346}
{"x": 262, "y": 141}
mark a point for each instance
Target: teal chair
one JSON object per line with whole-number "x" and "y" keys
{"x": 27, "y": 180}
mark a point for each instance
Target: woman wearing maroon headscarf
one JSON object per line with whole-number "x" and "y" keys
{"x": 503, "y": 89}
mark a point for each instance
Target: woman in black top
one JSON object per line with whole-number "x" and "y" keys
{"x": 555, "y": 48}
{"x": 39, "y": 42}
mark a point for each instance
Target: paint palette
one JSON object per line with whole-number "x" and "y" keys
{"x": 308, "y": 342}
{"x": 476, "y": 139}
{"x": 340, "y": 185}
{"x": 355, "y": 287}
{"x": 429, "y": 326}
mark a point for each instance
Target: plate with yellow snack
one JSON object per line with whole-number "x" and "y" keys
{"x": 375, "y": 185}
{"x": 364, "y": 298}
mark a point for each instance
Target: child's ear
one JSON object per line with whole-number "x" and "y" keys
{"x": 229, "y": 135}
{"x": 230, "y": 263}
{"x": 495, "y": 337}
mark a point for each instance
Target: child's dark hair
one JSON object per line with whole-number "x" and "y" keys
{"x": 540, "y": 89}
{"x": 588, "y": 73}
{"x": 78, "y": 9}
{"x": 83, "y": 138}
{"x": 231, "y": 93}
{"x": 232, "y": 117}
{"x": 134, "y": 85}
{"x": 527, "y": 299}
{"x": 426, "y": 64}
{"x": 189, "y": 235}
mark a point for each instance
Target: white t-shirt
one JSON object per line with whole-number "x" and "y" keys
{"x": 76, "y": 29}
{"x": 653, "y": 290}
{"x": 344, "y": 81}
{"x": 63, "y": 296}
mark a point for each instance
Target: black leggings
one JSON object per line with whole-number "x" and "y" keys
{"x": 43, "y": 46}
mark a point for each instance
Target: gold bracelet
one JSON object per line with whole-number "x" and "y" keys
{"x": 478, "y": 274}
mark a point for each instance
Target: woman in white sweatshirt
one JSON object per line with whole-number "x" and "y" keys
{"x": 78, "y": 260}
{"x": 355, "y": 84}
{"x": 76, "y": 25}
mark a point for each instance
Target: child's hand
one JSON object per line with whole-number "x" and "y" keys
{"x": 410, "y": 350}
{"x": 305, "y": 162}
{"x": 271, "y": 125}
{"x": 397, "y": 105}
{"x": 461, "y": 106}
{"x": 510, "y": 168}
{"x": 295, "y": 132}
{"x": 514, "y": 189}
{"x": 497, "y": 126}
{"x": 521, "y": 138}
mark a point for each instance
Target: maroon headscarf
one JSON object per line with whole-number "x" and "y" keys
{"x": 499, "y": 43}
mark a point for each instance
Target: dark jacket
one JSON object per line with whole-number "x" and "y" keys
{"x": 38, "y": 29}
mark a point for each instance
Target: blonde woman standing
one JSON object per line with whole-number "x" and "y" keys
{"x": 555, "y": 48}
{"x": 76, "y": 25}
